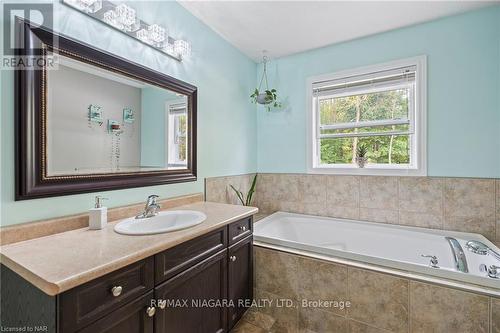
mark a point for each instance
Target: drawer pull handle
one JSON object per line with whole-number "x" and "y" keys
{"x": 242, "y": 228}
{"x": 232, "y": 258}
{"x": 150, "y": 311}
{"x": 116, "y": 291}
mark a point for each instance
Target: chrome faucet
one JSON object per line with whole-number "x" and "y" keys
{"x": 151, "y": 209}
{"x": 480, "y": 248}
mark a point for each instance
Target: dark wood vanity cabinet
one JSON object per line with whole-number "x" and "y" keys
{"x": 200, "y": 286}
{"x": 240, "y": 278}
{"x": 192, "y": 298}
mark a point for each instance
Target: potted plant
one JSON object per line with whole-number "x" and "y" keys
{"x": 361, "y": 158}
{"x": 267, "y": 97}
{"x": 246, "y": 201}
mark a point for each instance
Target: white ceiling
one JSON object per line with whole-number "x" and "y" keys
{"x": 286, "y": 27}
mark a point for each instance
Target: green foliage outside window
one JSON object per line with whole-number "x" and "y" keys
{"x": 366, "y": 107}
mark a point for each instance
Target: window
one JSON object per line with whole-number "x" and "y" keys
{"x": 177, "y": 138}
{"x": 379, "y": 107}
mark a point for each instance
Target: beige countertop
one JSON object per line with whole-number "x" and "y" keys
{"x": 59, "y": 262}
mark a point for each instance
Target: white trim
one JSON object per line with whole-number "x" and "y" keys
{"x": 419, "y": 158}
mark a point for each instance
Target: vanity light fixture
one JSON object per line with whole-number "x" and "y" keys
{"x": 124, "y": 18}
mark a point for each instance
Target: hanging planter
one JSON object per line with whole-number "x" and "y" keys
{"x": 264, "y": 95}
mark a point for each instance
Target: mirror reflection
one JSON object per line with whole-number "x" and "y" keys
{"x": 100, "y": 121}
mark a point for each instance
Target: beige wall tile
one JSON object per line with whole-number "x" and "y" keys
{"x": 378, "y": 192}
{"x": 421, "y": 220}
{"x": 481, "y": 225}
{"x": 276, "y": 272}
{"x": 378, "y": 215}
{"x": 218, "y": 189}
{"x": 317, "y": 320}
{"x": 495, "y": 315}
{"x": 342, "y": 212}
{"x": 322, "y": 280}
{"x": 469, "y": 197}
{"x": 343, "y": 191}
{"x": 356, "y": 327}
{"x": 440, "y": 309}
{"x": 313, "y": 208}
{"x": 312, "y": 188}
{"x": 470, "y": 206}
{"x": 378, "y": 299}
{"x": 421, "y": 195}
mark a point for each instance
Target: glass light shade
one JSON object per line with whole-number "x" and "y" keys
{"x": 182, "y": 48}
{"x": 169, "y": 48}
{"x": 126, "y": 16}
{"x": 87, "y": 6}
{"x": 157, "y": 33}
{"x": 143, "y": 35}
{"x": 111, "y": 18}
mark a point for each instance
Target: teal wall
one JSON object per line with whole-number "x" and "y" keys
{"x": 226, "y": 121}
{"x": 463, "y": 99}
{"x": 463, "y": 93}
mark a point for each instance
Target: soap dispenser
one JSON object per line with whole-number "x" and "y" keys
{"x": 98, "y": 216}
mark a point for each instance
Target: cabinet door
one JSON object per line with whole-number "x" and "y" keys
{"x": 130, "y": 318}
{"x": 240, "y": 278}
{"x": 192, "y": 298}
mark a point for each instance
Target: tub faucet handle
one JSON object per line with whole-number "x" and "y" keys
{"x": 434, "y": 260}
{"x": 494, "y": 271}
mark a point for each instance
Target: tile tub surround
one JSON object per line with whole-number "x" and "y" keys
{"x": 20, "y": 232}
{"x": 460, "y": 204}
{"x": 379, "y": 302}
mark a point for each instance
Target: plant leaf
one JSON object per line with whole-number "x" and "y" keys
{"x": 239, "y": 194}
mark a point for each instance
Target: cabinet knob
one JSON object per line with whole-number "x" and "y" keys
{"x": 243, "y": 228}
{"x": 150, "y": 311}
{"x": 116, "y": 291}
{"x": 232, "y": 258}
{"x": 162, "y": 304}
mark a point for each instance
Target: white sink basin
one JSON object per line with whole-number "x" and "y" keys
{"x": 165, "y": 221}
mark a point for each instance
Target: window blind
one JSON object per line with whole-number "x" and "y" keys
{"x": 394, "y": 77}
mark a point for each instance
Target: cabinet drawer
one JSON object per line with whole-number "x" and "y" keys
{"x": 174, "y": 260}
{"x": 84, "y": 304}
{"x": 130, "y": 318}
{"x": 240, "y": 229}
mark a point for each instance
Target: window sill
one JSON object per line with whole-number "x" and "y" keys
{"x": 368, "y": 170}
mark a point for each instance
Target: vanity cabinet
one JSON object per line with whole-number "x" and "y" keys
{"x": 240, "y": 278}
{"x": 194, "y": 294}
{"x": 197, "y": 286}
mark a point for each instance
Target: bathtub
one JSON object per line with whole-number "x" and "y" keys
{"x": 399, "y": 248}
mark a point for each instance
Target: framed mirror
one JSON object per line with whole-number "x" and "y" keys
{"x": 89, "y": 121}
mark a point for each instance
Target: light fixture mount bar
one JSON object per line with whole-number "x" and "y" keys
{"x": 124, "y": 19}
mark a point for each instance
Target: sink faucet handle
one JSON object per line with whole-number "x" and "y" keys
{"x": 434, "y": 260}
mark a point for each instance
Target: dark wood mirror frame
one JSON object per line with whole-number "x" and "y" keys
{"x": 30, "y": 118}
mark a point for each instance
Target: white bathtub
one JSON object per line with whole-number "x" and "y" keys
{"x": 396, "y": 247}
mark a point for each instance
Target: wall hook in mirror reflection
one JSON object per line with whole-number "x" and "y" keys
{"x": 96, "y": 113}
{"x": 128, "y": 115}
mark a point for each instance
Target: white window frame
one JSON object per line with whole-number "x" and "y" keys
{"x": 418, "y": 158}
{"x": 171, "y": 148}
